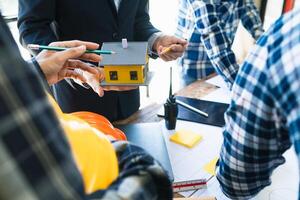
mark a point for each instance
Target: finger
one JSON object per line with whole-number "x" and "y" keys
{"x": 172, "y": 57}
{"x": 84, "y": 66}
{"x": 180, "y": 41}
{"x": 74, "y": 75}
{"x": 119, "y": 88}
{"x": 98, "y": 89}
{"x": 160, "y": 50}
{"x": 92, "y": 57}
{"x": 177, "y": 48}
{"x": 177, "y": 55}
{"x": 101, "y": 72}
{"x": 165, "y": 57}
{"x": 72, "y": 53}
{"x": 75, "y": 43}
{"x": 101, "y": 92}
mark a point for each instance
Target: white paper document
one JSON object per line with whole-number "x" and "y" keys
{"x": 219, "y": 95}
{"x": 217, "y": 81}
{"x": 222, "y": 94}
{"x": 285, "y": 182}
{"x": 187, "y": 164}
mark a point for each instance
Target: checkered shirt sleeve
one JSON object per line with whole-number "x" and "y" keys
{"x": 263, "y": 119}
{"x": 250, "y": 19}
{"x": 214, "y": 39}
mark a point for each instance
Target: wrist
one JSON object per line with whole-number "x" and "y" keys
{"x": 157, "y": 42}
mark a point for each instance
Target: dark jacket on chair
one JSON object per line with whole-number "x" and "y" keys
{"x": 45, "y": 21}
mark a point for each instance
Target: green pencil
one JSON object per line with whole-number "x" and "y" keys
{"x": 43, "y": 47}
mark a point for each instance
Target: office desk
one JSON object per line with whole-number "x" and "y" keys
{"x": 284, "y": 180}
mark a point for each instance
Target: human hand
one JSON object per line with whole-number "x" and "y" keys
{"x": 92, "y": 80}
{"x": 169, "y": 47}
{"x": 119, "y": 88}
{"x": 59, "y": 65}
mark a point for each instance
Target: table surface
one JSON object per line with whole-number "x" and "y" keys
{"x": 148, "y": 114}
{"x": 199, "y": 89}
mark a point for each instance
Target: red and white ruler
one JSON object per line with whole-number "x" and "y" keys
{"x": 189, "y": 185}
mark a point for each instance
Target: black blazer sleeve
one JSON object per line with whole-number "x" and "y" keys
{"x": 143, "y": 27}
{"x": 34, "y": 21}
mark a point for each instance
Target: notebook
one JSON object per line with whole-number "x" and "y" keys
{"x": 150, "y": 137}
{"x": 214, "y": 110}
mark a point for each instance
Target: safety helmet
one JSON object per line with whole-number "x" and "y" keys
{"x": 93, "y": 153}
{"x": 101, "y": 123}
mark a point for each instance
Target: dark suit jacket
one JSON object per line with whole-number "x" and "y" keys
{"x": 45, "y": 21}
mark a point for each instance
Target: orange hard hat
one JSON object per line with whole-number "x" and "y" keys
{"x": 94, "y": 155}
{"x": 92, "y": 117}
{"x": 101, "y": 123}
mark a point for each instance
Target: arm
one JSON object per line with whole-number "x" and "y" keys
{"x": 255, "y": 136}
{"x": 143, "y": 27}
{"x": 147, "y": 178}
{"x": 214, "y": 39}
{"x": 34, "y": 21}
{"x": 251, "y": 20}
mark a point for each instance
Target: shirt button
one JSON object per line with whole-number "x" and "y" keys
{"x": 115, "y": 36}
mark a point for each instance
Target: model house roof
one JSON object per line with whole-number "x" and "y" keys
{"x": 134, "y": 54}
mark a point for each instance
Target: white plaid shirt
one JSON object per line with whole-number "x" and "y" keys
{"x": 210, "y": 27}
{"x": 263, "y": 119}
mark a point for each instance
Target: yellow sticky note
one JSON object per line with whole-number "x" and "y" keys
{"x": 186, "y": 138}
{"x": 211, "y": 166}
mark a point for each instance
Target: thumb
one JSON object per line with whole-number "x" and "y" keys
{"x": 71, "y": 53}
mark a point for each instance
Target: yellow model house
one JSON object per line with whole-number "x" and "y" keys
{"x": 128, "y": 65}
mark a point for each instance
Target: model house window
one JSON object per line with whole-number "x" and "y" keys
{"x": 113, "y": 75}
{"x": 133, "y": 75}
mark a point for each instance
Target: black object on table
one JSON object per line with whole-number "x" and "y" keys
{"x": 214, "y": 110}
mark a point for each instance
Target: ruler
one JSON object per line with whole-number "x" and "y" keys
{"x": 189, "y": 185}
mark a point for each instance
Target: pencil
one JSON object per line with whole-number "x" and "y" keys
{"x": 191, "y": 108}
{"x": 43, "y": 47}
{"x": 166, "y": 50}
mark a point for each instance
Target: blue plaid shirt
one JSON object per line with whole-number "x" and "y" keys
{"x": 263, "y": 119}
{"x": 35, "y": 158}
{"x": 210, "y": 27}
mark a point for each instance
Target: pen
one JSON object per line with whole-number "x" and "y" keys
{"x": 166, "y": 50}
{"x": 191, "y": 108}
{"x": 43, "y": 47}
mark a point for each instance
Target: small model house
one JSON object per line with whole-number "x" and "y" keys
{"x": 129, "y": 65}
